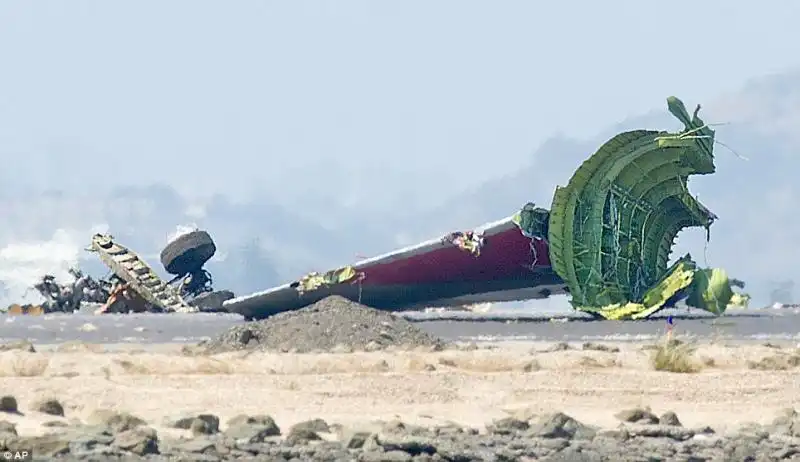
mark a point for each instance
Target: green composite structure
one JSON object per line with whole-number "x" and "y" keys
{"x": 611, "y": 229}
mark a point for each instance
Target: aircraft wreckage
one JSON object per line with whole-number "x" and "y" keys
{"x": 134, "y": 286}
{"x": 605, "y": 240}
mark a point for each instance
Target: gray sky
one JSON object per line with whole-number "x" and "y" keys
{"x": 376, "y": 106}
{"x": 303, "y": 98}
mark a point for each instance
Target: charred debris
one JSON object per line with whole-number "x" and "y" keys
{"x": 133, "y": 286}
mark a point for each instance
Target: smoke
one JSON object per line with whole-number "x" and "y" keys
{"x": 23, "y": 263}
{"x": 180, "y": 230}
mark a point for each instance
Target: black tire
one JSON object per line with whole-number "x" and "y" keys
{"x": 188, "y": 253}
{"x": 211, "y": 301}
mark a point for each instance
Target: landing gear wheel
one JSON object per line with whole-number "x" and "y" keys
{"x": 211, "y": 302}
{"x": 188, "y": 253}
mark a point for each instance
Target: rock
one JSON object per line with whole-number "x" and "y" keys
{"x": 740, "y": 450}
{"x": 198, "y": 457}
{"x": 9, "y": 404}
{"x": 201, "y": 424}
{"x": 451, "y": 452}
{"x": 398, "y": 427}
{"x": 22, "y": 345}
{"x": 301, "y": 435}
{"x": 752, "y": 433}
{"x": 393, "y": 426}
{"x": 507, "y": 425}
{"x": 407, "y": 443}
{"x": 140, "y": 441}
{"x": 8, "y": 427}
{"x": 574, "y": 455}
{"x": 356, "y": 440}
{"x": 560, "y": 425}
{"x": 49, "y": 406}
{"x": 244, "y": 336}
{"x": 90, "y": 440}
{"x": 249, "y": 433}
{"x": 388, "y": 456}
{"x": 201, "y": 427}
{"x": 786, "y": 423}
{"x": 314, "y": 425}
{"x": 196, "y": 446}
{"x": 661, "y": 431}
{"x": 637, "y": 415}
{"x": 116, "y": 422}
{"x": 553, "y": 444}
{"x": 51, "y": 445}
{"x": 670, "y": 418}
{"x": 618, "y": 434}
{"x": 260, "y": 420}
{"x": 453, "y": 430}
{"x": 55, "y": 424}
{"x": 785, "y": 453}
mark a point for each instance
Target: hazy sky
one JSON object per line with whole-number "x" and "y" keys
{"x": 300, "y": 97}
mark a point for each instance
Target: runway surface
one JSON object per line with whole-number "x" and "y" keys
{"x": 755, "y": 325}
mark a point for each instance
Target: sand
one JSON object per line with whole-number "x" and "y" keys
{"x": 468, "y": 386}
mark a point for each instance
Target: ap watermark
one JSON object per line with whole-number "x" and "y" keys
{"x": 16, "y": 455}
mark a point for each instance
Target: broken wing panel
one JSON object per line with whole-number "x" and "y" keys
{"x": 505, "y": 254}
{"x": 509, "y": 266}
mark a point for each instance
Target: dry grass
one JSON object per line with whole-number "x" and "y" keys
{"x": 481, "y": 362}
{"x": 779, "y": 362}
{"x": 23, "y": 365}
{"x": 198, "y": 366}
{"x": 595, "y": 363}
{"x": 672, "y": 355}
{"x": 79, "y": 347}
{"x": 681, "y": 356}
{"x": 468, "y": 387}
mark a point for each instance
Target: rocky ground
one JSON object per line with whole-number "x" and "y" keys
{"x": 332, "y": 324}
{"x": 339, "y": 382}
{"x": 640, "y": 436}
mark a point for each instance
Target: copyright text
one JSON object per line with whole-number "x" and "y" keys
{"x": 16, "y": 455}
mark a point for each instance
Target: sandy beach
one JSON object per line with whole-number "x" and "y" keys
{"x": 469, "y": 385}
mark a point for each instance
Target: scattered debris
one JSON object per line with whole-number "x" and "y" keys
{"x": 184, "y": 258}
{"x": 467, "y": 241}
{"x": 606, "y": 241}
{"x": 330, "y": 324}
{"x": 138, "y": 276}
{"x": 533, "y": 221}
{"x": 125, "y": 299}
{"x": 314, "y": 281}
{"x": 133, "y": 285}
{"x": 67, "y": 297}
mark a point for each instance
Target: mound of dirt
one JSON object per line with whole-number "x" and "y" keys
{"x": 334, "y": 323}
